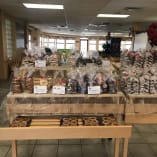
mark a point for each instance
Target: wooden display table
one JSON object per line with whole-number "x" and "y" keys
{"x": 141, "y": 109}
{"x": 50, "y": 104}
{"x": 76, "y": 132}
{"x": 54, "y": 68}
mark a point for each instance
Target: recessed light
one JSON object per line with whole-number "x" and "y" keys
{"x": 43, "y": 6}
{"x": 113, "y": 15}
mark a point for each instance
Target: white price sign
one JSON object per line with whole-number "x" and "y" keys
{"x": 94, "y": 90}
{"x": 106, "y": 63}
{"x": 40, "y": 63}
{"x": 40, "y": 89}
{"x": 58, "y": 90}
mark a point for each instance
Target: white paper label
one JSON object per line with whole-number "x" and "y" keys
{"x": 58, "y": 90}
{"x": 40, "y": 89}
{"x": 40, "y": 63}
{"x": 106, "y": 63}
{"x": 94, "y": 90}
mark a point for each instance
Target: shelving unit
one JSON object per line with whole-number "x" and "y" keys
{"x": 25, "y": 104}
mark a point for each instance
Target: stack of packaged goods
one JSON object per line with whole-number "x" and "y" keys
{"x": 139, "y": 72}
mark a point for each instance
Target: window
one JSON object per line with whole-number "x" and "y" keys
{"x": 60, "y": 43}
{"x": 84, "y": 47}
{"x": 70, "y": 44}
{"x": 52, "y": 43}
{"x": 9, "y": 39}
{"x": 101, "y": 43}
{"x": 41, "y": 41}
{"x": 45, "y": 42}
{"x": 92, "y": 45}
{"x": 126, "y": 44}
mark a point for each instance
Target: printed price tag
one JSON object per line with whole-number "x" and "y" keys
{"x": 94, "y": 90}
{"x": 106, "y": 63}
{"x": 58, "y": 90}
{"x": 40, "y": 89}
{"x": 40, "y": 63}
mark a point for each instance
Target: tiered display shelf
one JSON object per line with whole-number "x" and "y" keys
{"x": 25, "y": 104}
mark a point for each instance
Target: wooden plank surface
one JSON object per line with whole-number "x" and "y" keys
{"x": 14, "y": 149}
{"x": 117, "y": 141}
{"x": 125, "y": 148}
{"x": 25, "y": 133}
{"x": 27, "y": 95}
{"x": 133, "y": 118}
{"x": 142, "y": 95}
{"x": 141, "y": 108}
{"x": 65, "y": 108}
{"x": 49, "y": 68}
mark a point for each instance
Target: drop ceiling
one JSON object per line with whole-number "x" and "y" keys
{"x": 79, "y": 16}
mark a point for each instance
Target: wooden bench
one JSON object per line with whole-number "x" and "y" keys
{"x": 70, "y": 132}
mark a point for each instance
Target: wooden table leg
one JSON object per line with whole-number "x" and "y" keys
{"x": 14, "y": 149}
{"x": 125, "y": 149}
{"x": 117, "y": 147}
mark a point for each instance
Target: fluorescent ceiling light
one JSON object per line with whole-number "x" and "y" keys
{"x": 43, "y": 6}
{"x": 84, "y": 38}
{"x": 88, "y": 33}
{"x": 86, "y": 29}
{"x": 113, "y": 15}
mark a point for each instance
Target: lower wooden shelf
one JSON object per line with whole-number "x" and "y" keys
{"x": 135, "y": 118}
{"x": 141, "y": 109}
{"x": 70, "y": 132}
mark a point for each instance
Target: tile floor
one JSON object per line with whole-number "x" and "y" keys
{"x": 143, "y": 143}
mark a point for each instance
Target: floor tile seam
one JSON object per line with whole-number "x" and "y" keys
{"x": 39, "y": 144}
{"x": 143, "y": 137}
{"x": 5, "y": 145}
{"x": 70, "y": 143}
{"x": 132, "y": 154}
{"x": 140, "y": 143}
{"x": 33, "y": 148}
{"x": 148, "y": 141}
{"x": 152, "y": 150}
{"x": 57, "y": 151}
{"x": 7, "y": 152}
{"x": 82, "y": 154}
